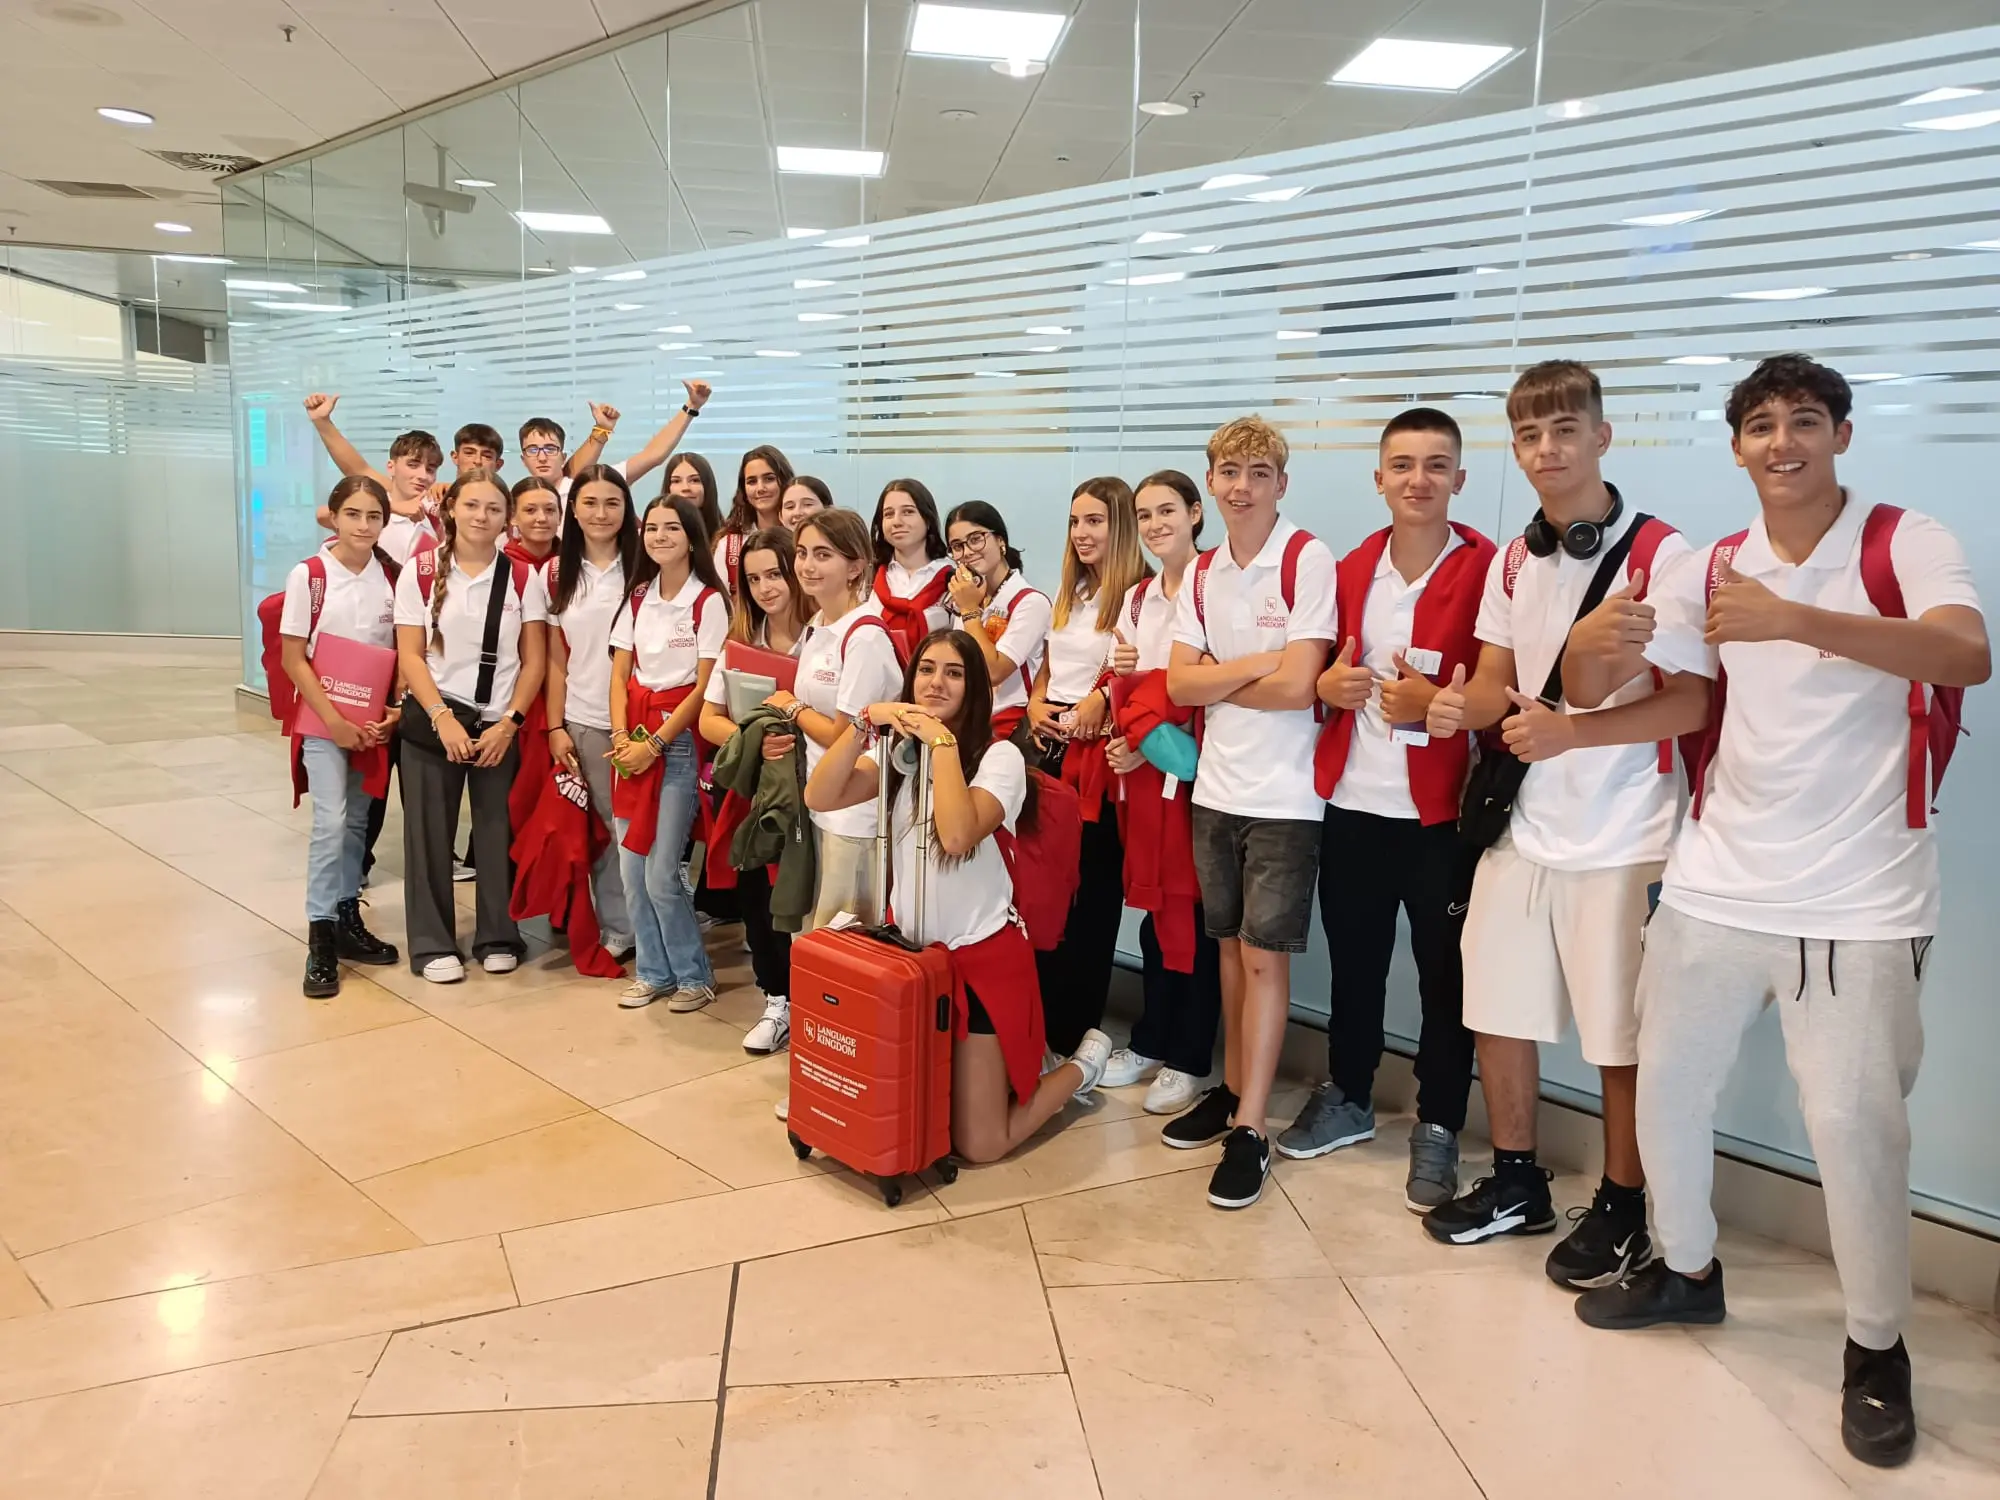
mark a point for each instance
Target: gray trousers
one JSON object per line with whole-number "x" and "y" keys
{"x": 432, "y": 786}
{"x": 607, "y": 887}
{"x": 1853, "y": 1040}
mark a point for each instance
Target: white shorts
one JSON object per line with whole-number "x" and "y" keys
{"x": 1543, "y": 945}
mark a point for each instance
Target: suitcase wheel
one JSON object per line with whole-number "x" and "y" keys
{"x": 799, "y": 1148}
{"x": 892, "y": 1191}
{"x": 947, "y": 1170}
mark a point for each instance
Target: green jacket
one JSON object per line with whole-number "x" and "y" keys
{"x": 779, "y": 829}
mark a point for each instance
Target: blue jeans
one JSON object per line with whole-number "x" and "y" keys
{"x": 339, "y": 832}
{"x": 664, "y": 929}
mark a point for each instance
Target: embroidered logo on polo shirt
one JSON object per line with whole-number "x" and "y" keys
{"x": 1275, "y": 615}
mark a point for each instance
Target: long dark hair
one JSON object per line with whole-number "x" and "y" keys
{"x": 974, "y": 729}
{"x": 742, "y": 514}
{"x": 711, "y": 504}
{"x": 926, "y": 504}
{"x": 979, "y": 513}
{"x": 746, "y": 615}
{"x": 569, "y": 554}
{"x": 700, "y": 561}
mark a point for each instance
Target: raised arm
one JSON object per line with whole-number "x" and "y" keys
{"x": 346, "y": 457}
{"x": 603, "y": 422}
{"x": 662, "y": 444}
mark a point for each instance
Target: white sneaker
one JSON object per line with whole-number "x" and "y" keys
{"x": 500, "y": 963}
{"x": 1127, "y": 1067}
{"x": 636, "y": 994}
{"x": 783, "y": 1108}
{"x": 1172, "y": 1092}
{"x": 689, "y": 997}
{"x": 775, "y": 1029}
{"x": 445, "y": 970}
{"x": 1051, "y": 1060}
{"x": 1092, "y": 1053}
{"x": 461, "y": 874}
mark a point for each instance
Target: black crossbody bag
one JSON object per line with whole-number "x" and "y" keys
{"x": 416, "y": 726}
{"x": 1488, "y": 804}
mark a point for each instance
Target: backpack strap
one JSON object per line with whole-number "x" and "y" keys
{"x": 1720, "y": 557}
{"x": 1288, "y": 566}
{"x": 1139, "y": 598}
{"x": 1645, "y": 548}
{"x": 425, "y": 562}
{"x": 875, "y": 620}
{"x": 1027, "y": 677}
{"x": 1885, "y": 592}
{"x": 315, "y": 592}
{"x": 1201, "y": 587}
{"x": 1517, "y": 559}
{"x": 638, "y": 598}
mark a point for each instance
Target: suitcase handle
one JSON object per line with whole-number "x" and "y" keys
{"x": 920, "y": 796}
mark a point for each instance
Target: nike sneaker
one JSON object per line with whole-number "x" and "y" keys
{"x": 1514, "y": 1200}
{"x": 1605, "y": 1245}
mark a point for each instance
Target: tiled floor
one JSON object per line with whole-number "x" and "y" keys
{"x": 505, "y": 1239}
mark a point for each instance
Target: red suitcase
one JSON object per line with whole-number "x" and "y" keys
{"x": 872, "y": 1032}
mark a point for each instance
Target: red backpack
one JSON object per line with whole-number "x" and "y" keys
{"x": 1936, "y": 713}
{"x": 278, "y": 684}
{"x": 1050, "y": 845}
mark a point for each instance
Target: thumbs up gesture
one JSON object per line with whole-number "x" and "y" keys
{"x": 1744, "y": 610}
{"x": 1618, "y": 630}
{"x": 1343, "y": 684}
{"x": 1534, "y": 731}
{"x": 1406, "y": 697}
{"x": 1446, "y": 714}
{"x": 1124, "y": 655}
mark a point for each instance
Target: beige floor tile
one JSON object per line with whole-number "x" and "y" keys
{"x": 559, "y": 1260}
{"x": 135, "y": 1337}
{"x": 659, "y": 1341}
{"x": 1163, "y": 1229}
{"x": 577, "y": 1037}
{"x": 245, "y": 1007}
{"x": 1072, "y": 1160}
{"x": 303, "y": 1221}
{"x": 1008, "y": 1437}
{"x": 1292, "y": 1387}
{"x": 589, "y": 1453}
{"x": 1542, "y": 1407}
{"x": 959, "y": 1298}
{"x": 45, "y": 737}
{"x": 383, "y": 1099}
{"x": 258, "y": 1429}
{"x": 723, "y": 1124}
{"x": 478, "y": 988}
{"x": 569, "y": 1170}
{"x": 130, "y": 1154}
{"x": 89, "y": 783}
{"x": 192, "y": 825}
{"x": 1783, "y": 1340}
{"x": 18, "y": 1295}
{"x": 76, "y": 1037}
{"x": 124, "y": 942}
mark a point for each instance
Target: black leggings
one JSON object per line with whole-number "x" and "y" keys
{"x": 770, "y": 949}
{"x": 1182, "y": 1011}
{"x": 1076, "y": 975}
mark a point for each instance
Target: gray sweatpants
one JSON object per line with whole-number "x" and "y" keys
{"x": 607, "y": 887}
{"x": 1853, "y": 1039}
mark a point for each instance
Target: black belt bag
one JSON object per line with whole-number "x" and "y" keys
{"x": 417, "y": 726}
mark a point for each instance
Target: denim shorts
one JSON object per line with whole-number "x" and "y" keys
{"x": 1256, "y": 877}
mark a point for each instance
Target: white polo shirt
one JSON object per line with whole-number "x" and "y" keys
{"x": 1078, "y": 652}
{"x": 832, "y": 682}
{"x": 359, "y": 606}
{"x": 1593, "y": 809}
{"x": 668, "y": 644}
{"x": 1376, "y": 778}
{"x": 1023, "y": 642}
{"x": 462, "y": 622}
{"x": 1804, "y": 830}
{"x": 1152, "y": 634}
{"x": 907, "y": 585}
{"x": 965, "y": 900}
{"x": 1255, "y": 762}
{"x": 586, "y": 630}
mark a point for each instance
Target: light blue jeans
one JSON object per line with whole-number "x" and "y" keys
{"x": 668, "y": 938}
{"x": 339, "y": 832}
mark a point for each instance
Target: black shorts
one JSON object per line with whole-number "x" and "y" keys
{"x": 977, "y": 1022}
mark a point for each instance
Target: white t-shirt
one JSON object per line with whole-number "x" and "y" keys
{"x": 668, "y": 644}
{"x": 1376, "y": 778}
{"x": 1804, "y": 831}
{"x": 907, "y": 585}
{"x": 970, "y": 899}
{"x": 462, "y": 621}
{"x": 1592, "y": 809}
{"x": 834, "y": 682}
{"x": 1153, "y": 633}
{"x": 1078, "y": 653}
{"x": 1255, "y": 762}
{"x": 718, "y": 685}
{"x": 586, "y": 632}
{"x": 359, "y": 606}
{"x": 1024, "y": 640}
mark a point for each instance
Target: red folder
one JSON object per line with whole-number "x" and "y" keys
{"x": 782, "y": 669}
{"x": 357, "y": 678}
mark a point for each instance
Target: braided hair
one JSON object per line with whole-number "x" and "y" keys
{"x": 446, "y": 544}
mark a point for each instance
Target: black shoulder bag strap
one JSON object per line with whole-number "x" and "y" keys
{"x": 496, "y": 605}
{"x": 1600, "y": 585}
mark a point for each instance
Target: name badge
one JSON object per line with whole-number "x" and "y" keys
{"x": 1408, "y": 734}
{"x": 1168, "y": 786}
{"x": 1430, "y": 663}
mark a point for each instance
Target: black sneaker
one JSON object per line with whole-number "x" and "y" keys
{"x": 1607, "y": 1244}
{"x": 1877, "y": 1422}
{"x": 1240, "y": 1175}
{"x": 356, "y": 943}
{"x": 1513, "y": 1202}
{"x": 1208, "y": 1121}
{"x": 1658, "y": 1294}
{"x": 322, "y": 968}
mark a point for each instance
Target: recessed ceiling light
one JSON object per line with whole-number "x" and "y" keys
{"x": 197, "y": 260}
{"x": 1050, "y": 330}
{"x": 802, "y": 234}
{"x": 1782, "y": 294}
{"x": 473, "y": 182}
{"x": 1158, "y": 237}
{"x": 541, "y": 270}
{"x": 1163, "y": 107}
{"x": 1274, "y": 195}
{"x": 1233, "y": 179}
{"x": 1572, "y": 109}
{"x": 545, "y": 223}
{"x": 1152, "y": 278}
{"x": 1942, "y": 96}
{"x": 1003, "y": 35}
{"x": 1669, "y": 220}
{"x": 829, "y": 161}
{"x": 168, "y": 226}
{"x": 1699, "y": 359}
{"x": 632, "y": 275}
{"x": 1976, "y": 121}
{"x": 777, "y": 353}
{"x": 809, "y": 283}
{"x": 124, "y": 116}
{"x": 958, "y": 116}
{"x": 628, "y": 307}
{"x": 846, "y": 242}
{"x": 1019, "y": 68}
{"x": 1298, "y": 333}
{"x": 235, "y": 285}
{"x": 304, "y": 306}
{"x": 743, "y": 234}
{"x": 819, "y": 317}
{"x": 676, "y": 328}
{"x": 1399, "y": 63}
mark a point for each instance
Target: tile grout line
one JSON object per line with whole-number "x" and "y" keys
{"x": 1062, "y": 1351}
{"x": 722, "y": 1379}
{"x": 1422, "y": 1400}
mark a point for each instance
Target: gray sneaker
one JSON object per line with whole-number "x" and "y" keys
{"x": 1433, "y": 1168}
{"x": 1329, "y": 1121}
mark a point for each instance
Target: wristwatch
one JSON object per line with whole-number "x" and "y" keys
{"x": 693, "y": 411}
{"x": 516, "y": 717}
{"x": 943, "y": 738}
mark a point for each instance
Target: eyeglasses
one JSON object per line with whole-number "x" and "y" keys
{"x": 542, "y": 450}
{"x": 972, "y": 541}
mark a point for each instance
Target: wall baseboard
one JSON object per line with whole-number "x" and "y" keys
{"x": 218, "y": 649}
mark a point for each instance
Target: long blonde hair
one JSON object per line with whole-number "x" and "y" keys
{"x": 1124, "y": 564}
{"x": 449, "y": 541}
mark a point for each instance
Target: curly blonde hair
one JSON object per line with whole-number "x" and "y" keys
{"x": 1247, "y": 439}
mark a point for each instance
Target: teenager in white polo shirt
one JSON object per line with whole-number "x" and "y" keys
{"x": 1248, "y": 648}
{"x": 1558, "y": 902}
{"x": 414, "y": 458}
{"x": 1809, "y": 878}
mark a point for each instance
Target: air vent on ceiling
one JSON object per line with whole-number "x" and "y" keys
{"x": 93, "y": 189}
{"x": 215, "y": 163}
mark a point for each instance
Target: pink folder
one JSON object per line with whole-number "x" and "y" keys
{"x": 356, "y": 676}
